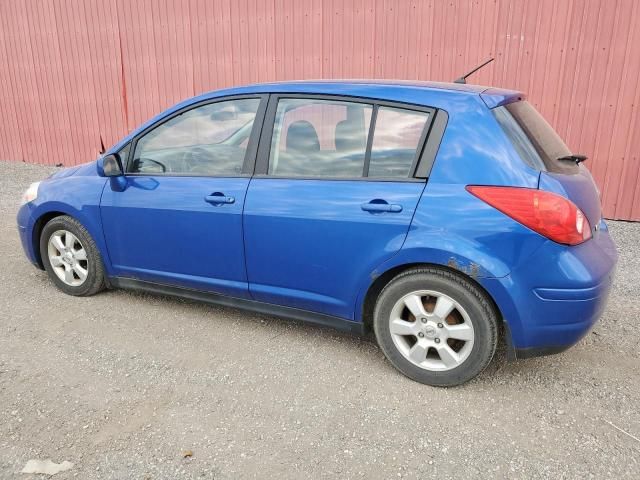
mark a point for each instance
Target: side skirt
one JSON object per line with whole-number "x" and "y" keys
{"x": 250, "y": 305}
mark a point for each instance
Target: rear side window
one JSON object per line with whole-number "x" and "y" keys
{"x": 535, "y": 140}
{"x": 319, "y": 138}
{"x": 330, "y": 138}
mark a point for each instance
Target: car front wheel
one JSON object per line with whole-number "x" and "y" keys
{"x": 435, "y": 326}
{"x": 70, "y": 257}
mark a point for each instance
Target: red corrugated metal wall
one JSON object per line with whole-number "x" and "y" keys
{"x": 73, "y": 71}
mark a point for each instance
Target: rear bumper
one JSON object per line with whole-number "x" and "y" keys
{"x": 532, "y": 352}
{"x": 562, "y": 322}
{"x": 551, "y": 301}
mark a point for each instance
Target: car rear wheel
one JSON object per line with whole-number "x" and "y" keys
{"x": 435, "y": 326}
{"x": 71, "y": 258}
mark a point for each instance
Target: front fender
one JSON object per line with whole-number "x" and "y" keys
{"x": 78, "y": 197}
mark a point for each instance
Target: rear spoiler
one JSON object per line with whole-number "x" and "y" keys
{"x": 496, "y": 97}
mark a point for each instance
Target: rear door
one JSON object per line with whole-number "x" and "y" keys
{"x": 332, "y": 198}
{"x": 179, "y": 219}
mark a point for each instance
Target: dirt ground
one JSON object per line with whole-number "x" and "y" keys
{"x": 123, "y": 385}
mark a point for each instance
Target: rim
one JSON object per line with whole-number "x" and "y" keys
{"x": 68, "y": 258}
{"x": 431, "y": 330}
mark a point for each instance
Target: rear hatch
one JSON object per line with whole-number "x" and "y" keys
{"x": 540, "y": 146}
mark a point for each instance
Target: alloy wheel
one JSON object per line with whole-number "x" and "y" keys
{"x": 68, "y": 258}
{"x": 431, "y": 330}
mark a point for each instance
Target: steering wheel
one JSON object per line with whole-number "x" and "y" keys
{"x": 143, "y": 164}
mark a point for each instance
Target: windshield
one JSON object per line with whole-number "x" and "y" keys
{"x": 542, "y": 144}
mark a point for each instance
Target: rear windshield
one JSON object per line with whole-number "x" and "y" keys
{"x": 535, "y": 140}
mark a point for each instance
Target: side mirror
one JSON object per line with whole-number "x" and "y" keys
{"x": 112, "y": 166}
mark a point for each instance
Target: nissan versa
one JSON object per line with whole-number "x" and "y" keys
{"x": 441, "y": 216}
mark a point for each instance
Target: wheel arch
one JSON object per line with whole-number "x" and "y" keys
{"x": 89, "y": 218}
{"x": 383, "y": 279}
{"x": 38, "y": 226}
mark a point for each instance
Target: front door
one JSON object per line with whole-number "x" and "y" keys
{"x": 179, "y": 219}
{"x": 335, "y": 199}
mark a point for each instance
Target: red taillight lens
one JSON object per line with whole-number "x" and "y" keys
{"x": 549, "y": 214}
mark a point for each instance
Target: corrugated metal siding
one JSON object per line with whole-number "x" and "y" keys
{"x": 75, "y": 71}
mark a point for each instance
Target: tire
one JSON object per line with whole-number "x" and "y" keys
{"x": 469, "y": 330}
{"x": 76, "y": 253}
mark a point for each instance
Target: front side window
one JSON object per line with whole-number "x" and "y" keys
{"x": 123, "y": 153}
{"x": 208, "y": 140}
{"x": 319, "y": 138}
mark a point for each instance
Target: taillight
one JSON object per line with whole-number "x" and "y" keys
{"x": 549, "y": 214}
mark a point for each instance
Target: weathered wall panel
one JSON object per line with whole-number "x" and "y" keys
{"x": 73, "y": 71}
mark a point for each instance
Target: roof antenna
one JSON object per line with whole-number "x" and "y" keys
{"x": 463, "y": 79}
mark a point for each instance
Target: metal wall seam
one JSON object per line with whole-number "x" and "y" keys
{"x": 74, "y": 72}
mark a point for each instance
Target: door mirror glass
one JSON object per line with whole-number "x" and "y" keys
{"x": 111, "y": 165}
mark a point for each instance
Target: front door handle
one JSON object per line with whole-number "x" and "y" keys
{"x": 218, "y": 198}
{"x": 379, "y": 206}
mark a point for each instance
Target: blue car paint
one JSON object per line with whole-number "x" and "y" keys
{"x": 194, "y": 244}
{"x": 319, "y": 227}
{"x": 555, "y": 296}
{"x": 76, "y": 195}
{"x": 496, "y": 97}
{"x": 548, "y": 294}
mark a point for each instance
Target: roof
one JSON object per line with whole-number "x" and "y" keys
{"x": 435, "y": 94}
{"x": 458, "y": 87}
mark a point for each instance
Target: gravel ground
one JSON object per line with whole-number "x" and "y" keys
{"x": 122, "y": 384}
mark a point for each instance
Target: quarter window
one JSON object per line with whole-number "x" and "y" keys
{"x": 395, "y": 141}
{"x": 207, "y": 140}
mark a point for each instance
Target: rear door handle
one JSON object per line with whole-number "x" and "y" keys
{"x": 219, "y": 198}
{"x": 379, "y": 206}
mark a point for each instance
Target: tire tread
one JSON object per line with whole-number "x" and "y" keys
{"x": 96, "y": 281}
{"x": 445, "y": 379}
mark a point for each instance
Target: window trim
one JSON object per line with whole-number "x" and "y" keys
{"x": 248, "y": 164}
{"x": 125, "y": 161}
{"x": 432, "y": 145}
{"x": 369, "y": 146}
{"x": 264, "y": 148}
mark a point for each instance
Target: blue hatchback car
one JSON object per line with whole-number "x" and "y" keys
{"x": 443, "y": 217}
